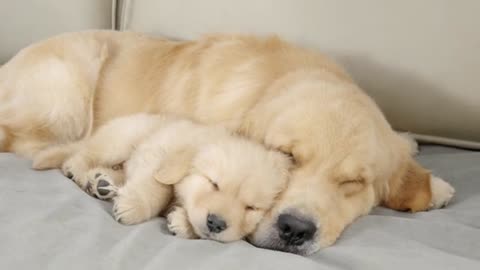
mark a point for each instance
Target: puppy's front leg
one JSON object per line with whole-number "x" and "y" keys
{"x": 178, "y": 224}
{"x": 153, "y": 168}
{"x": 141, "y": 199}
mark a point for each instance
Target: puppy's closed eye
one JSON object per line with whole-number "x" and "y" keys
{"x": 214, "y": 185}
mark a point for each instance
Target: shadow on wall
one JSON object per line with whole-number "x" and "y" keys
{"x": 412, "y": 103}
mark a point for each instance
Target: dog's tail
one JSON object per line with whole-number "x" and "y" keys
{"x": 410, "y": 140}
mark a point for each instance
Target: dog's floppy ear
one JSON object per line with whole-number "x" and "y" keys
{"x": 174, "y": 167}
{"x": 409, "y": 189}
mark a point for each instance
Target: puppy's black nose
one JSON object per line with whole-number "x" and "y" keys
{"x": 295, "y": 230}
{"x": 215, "y": 223}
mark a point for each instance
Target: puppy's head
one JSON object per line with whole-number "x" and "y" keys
{"x": 231, "y": 186}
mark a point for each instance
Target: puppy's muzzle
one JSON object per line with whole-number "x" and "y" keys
{"x": 215, "y": 224}
{"x": 294, "y": 231}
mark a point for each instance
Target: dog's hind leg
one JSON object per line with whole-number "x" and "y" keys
{"x": 47, "y": 95}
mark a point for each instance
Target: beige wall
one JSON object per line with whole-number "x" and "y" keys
{"x": 419, "y": 59}
{"x": 26, "y": 21}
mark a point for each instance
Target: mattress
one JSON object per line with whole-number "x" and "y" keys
{"x": 46, "y": 222}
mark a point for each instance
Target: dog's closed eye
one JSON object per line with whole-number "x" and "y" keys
{"x": 251, "y": 208}
{"x": 351, "y": 187}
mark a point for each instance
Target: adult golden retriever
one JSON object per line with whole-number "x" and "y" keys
{"x": 347, "y": 157}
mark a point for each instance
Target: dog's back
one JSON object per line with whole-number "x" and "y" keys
{"x": 61, "y": 89}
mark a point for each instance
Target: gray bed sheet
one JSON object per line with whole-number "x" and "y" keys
{"x": 46, "y": 222}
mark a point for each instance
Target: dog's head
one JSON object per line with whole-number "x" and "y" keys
{"x": 317, "y": 205}
{"x": 231, "y": 186}
{"x": 347, "y": 160}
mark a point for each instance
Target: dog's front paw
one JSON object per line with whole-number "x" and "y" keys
{"x": 103, "y": 183}
{"x": 178, "y": 224}
{"x": 442, "y": 192}
{"x": 75, "y": 169}
{"x": 129, "y": 208}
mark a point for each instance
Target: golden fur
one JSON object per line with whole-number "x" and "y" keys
{"x": 212, "y": 172}
{"x": 347, "y": 157}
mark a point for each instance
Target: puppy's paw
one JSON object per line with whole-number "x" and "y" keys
{"x": 129, "y": 208}
{"x": 75, "y": 169}
{"x": 442, "y": 193}
{"x": 102, "y": 183}
{"x": 178, "y": 224}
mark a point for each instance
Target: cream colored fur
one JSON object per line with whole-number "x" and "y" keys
{"x": 347, "y": 157}
{"x": 212, "y": 172}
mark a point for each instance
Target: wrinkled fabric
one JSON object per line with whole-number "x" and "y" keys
{"x": 47, "y": 222}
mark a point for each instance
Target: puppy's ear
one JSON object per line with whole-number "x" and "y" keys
{"x": 409, "y": 189}
{"x": 174, "y": 168}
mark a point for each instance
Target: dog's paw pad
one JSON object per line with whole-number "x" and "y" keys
{"x": 69, "y": 175}
{"x": 105, "y": 189}
{"x": 442, "y": 193}
{"x": 101, "y": 185}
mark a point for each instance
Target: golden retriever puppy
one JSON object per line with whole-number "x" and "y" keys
{"x": 347, "y": 158}
{"x": 224, "y": 184}
{"x": 231, "y": 186}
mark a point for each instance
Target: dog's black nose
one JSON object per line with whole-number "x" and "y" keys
{"x": 295, "y": 230}
{"x": 215, "y": 223}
